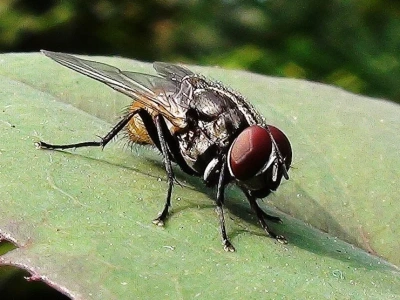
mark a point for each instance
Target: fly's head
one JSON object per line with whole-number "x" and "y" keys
{"x": 258, "y": 159}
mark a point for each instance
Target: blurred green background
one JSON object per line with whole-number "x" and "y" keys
{"x": 354, "y": 44}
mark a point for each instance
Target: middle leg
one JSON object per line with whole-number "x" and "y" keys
{"x": 161, "y": 131}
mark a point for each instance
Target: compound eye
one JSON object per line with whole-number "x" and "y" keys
{"x": 283, "y": 145}
{"x": 250, "y": 152}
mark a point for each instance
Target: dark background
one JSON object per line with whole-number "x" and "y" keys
{"x": 354, "y": 44}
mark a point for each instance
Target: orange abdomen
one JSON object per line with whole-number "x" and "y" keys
{"x": 136, "y": 130}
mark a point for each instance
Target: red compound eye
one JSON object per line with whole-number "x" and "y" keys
{"x": 250, "y": 152}
{"x": 252, "y": 149}
{"x": 283, "y": 145}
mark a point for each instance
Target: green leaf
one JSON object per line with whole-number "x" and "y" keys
{"x": 81, "y": 220}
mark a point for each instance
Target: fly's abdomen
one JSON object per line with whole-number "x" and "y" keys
{"x": 136, "y": 130}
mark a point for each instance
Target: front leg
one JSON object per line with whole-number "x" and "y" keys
{"x": 220, "y": 200}
{"x": 261, "y": 215}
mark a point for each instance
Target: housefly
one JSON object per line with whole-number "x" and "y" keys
{"x": 205, "y": 128}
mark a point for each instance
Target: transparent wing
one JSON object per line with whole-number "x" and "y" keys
{"x": 172, "y": 72}
{"x": 152, "y": 91}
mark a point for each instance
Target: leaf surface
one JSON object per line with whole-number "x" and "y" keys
{"x": 81, "y": 220}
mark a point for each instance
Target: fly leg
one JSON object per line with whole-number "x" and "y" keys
{"x": 261, "y": 215}
{"x": 167, "y": 145}
{"x": 220, "y": 200}
{"x": 268, "y": 217}
{"x": 103, "y": 142}
{"x": 161, "y": 131}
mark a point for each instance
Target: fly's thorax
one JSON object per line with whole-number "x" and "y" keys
{"x": 197, "y": 149}
{"x": 210, "y": 132}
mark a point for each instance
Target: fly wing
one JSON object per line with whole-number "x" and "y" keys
{"x": 151, "y": 91}
{"x": 172, "y": 72}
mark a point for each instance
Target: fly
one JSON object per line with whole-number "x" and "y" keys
{"x": 205, "y": 128}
